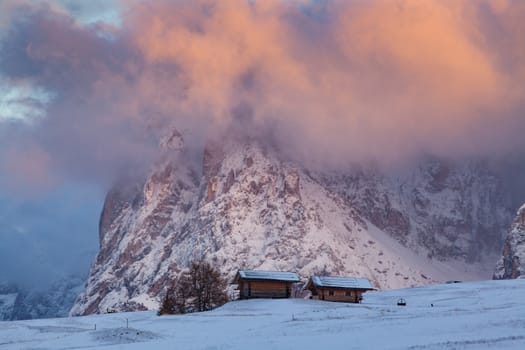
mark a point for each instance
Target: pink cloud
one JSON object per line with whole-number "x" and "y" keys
{"x": 336, "y": 81}
{"x": 28, "y": 170}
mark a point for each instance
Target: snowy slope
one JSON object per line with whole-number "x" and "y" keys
{"x": 475, "y": 315}
{"x": 248, "y": 208}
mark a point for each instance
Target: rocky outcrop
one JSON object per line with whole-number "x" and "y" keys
{"x": 512, "y": 262}
{"x": 244, "y": 206}
{"x": 443, "y": 209}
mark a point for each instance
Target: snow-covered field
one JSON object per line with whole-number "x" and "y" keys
{"x": 474, "y": 315}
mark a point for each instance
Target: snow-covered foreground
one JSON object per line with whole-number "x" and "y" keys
{"x": 474, "y": 315}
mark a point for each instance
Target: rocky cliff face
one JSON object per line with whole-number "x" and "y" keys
{"x": 443, "y": 209}
{"x": 512, "y": 262}
{"x": 245, "y": 207}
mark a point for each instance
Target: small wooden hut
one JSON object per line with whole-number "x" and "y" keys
{"x": 265, "y": 284}
{"x": 345, "y": 289}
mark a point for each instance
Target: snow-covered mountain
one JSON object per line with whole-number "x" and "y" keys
{"x": 247, "y": 207}
{"x": 17, "y": 303}
{"x": 512, "y": 262}
{"x": 8, "y": 295}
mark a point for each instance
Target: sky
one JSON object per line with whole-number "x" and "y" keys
{"x": 87, "y": 88}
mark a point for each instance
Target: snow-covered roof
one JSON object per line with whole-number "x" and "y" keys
{"x": 341, "y": 282}
{"x": 268, "y": 275}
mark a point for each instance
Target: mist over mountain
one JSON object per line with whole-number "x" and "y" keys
{"x": 49, "y": 301}
{"x": 321, "y": 80}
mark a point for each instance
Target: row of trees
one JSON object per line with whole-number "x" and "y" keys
{"x": 200, "y": 288}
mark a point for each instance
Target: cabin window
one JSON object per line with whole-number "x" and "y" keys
{"x": 331, "y": 293}
{"x": 348, "y": 293}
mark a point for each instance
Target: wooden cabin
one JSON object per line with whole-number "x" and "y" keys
{"x": 265, "y": 284}
{"x": 345, "y": 289}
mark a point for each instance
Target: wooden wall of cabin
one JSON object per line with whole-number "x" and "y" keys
{"x": 264, "y": 289}
{"x": 348, "y": 296}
